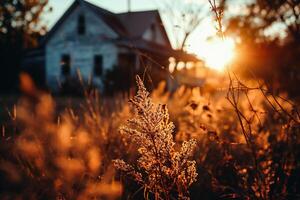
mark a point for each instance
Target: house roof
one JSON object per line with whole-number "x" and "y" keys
{"x": 136, "y": 27}
{"x": 136, "y": 23}
{"x": 126, "y": 25}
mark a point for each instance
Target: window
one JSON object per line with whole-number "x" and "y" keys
{"x": 65, "y": 65}
{"x": 98, "y": 65}
{"x": 81, "y": 25}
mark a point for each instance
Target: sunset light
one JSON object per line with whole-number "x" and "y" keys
{"x": 149, "y": 99}
{"x": 216, "y": 53}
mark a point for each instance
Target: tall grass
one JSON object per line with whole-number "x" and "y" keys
{"x": 243, "y": 144}
{"x": 58, "y": 158}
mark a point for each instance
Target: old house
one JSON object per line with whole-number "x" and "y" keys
{"x": 96, "y": 41}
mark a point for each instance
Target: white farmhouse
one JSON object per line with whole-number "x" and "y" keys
{"x": 93, "y": 40}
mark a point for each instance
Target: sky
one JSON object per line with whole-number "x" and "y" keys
{"x": 197, "y": 43}
{"x": 59, "y": 6}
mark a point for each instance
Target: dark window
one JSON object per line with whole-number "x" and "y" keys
{"x": 98, "y": 65}
{"x": 65, "y": 64}
{"x": 81, "y": 25}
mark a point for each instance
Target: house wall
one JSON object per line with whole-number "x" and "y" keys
{"x": 81, "y": 48}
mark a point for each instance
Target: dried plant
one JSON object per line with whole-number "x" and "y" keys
{"x": 50, "y": 160}
{"x": 256, "y": 157}
{"x": 271, "y": 176}
{"x": 161, "y": 169}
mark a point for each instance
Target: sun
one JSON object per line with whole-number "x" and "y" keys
{"x": 217, "y": 53}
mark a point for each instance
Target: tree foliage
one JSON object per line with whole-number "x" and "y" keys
{"x": 185, "y": 16}
{"x": 20, "y": 27}
{"x": 269, "y": 38}
{"x": 263, "y": 15}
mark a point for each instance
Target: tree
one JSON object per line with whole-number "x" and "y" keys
{"x": 20, "y": 27}
{"x": 185, "y": 16}
{"x": 269, "y": 33}
{"x": 262, "y": 15}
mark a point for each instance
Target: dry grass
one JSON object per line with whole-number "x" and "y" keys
{"x": 246, "y": 146}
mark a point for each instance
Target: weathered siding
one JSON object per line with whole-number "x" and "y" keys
{"x": 81, "y": 48}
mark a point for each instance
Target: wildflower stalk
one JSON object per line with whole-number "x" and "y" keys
{"x": 162, "y": 170}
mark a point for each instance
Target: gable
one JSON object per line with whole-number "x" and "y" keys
{"x": 136, "y": 23}
{"x": 66, "y": 27}
{"x": 156, "y": 33}
{"x": 140, "y": 25}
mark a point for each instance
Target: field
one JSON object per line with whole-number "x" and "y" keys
{"x": 238, "y": 143}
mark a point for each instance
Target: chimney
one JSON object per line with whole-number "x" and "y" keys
{"x": 129, "y": 5}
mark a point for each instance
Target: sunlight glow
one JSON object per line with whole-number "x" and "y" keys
{"x": 216, "y": 53}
